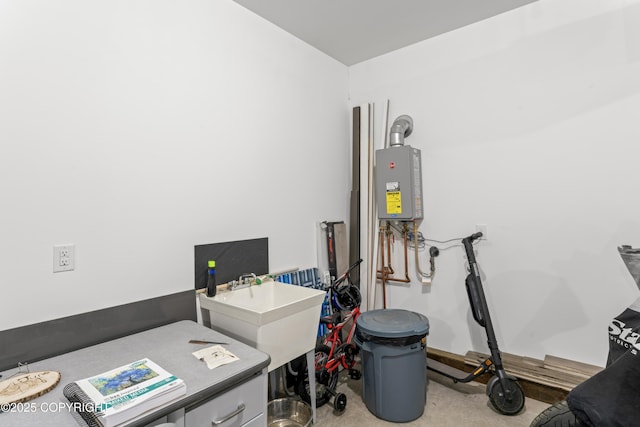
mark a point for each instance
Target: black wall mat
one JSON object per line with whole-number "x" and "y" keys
{"x": 233, "y": 259}
{"x": 52, "y": 338}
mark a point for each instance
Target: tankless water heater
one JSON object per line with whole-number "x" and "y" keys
{"x": 399, "y": 175}
{"x": 399, "y": 183}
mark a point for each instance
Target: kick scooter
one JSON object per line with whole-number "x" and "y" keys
{"x": 504, "y": 391}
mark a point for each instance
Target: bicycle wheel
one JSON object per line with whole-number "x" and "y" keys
{"x": 347, "y": 354}
{"x": 325, "y": 382}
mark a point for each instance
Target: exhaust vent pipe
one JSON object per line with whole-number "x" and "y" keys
{"x": 400, "y": 129}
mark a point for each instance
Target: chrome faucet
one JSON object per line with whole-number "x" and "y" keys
{"x": 243, "y": 281}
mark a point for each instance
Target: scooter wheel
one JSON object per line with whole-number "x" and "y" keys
{"x": 340, "y": 402}
{"x": 502, "y": 403}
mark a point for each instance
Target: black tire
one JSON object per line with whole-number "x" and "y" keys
{"x": 556, "y": 415}
{"x": 340, "y": 402}
{"x": 355, "y": 374}
{"x": 346, "y": 353}
{"x": 505, "y": 406}
{"x": 325, "y": 382}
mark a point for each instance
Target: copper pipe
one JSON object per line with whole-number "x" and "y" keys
{"x": 382, "y": 272}
{"x": 406, "y": 258}
{"x": 389, "y": 247}
{"x": 385, "y": 231}
{"x": 380, "y": 261}
{"x": 386, "y": 270}
{"x": 406, "y": 254}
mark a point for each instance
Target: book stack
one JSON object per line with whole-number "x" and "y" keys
{"x": 119, "y": 395}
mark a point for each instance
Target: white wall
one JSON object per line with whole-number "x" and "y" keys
{"x": 527, "y": 122}
{"x": 136, "y": 130}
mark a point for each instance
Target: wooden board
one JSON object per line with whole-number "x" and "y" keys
{"x": 536, "y": 370}
{"x": 532, "y": 389}
{"x": 27, "y": 386}
{"x": 582, "y": 369}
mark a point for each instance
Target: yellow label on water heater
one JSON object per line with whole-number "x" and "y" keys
{"x": 394, "y": 202}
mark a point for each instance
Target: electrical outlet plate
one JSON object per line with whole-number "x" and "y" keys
{"x": 64, "y": 258}
{"x": 483, "y": 229}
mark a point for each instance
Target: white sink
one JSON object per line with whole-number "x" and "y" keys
{"x": 277, "y": 318}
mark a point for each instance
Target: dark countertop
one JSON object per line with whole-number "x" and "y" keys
{"x": 167, "y": 346}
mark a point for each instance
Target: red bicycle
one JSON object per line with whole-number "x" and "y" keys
{"x": 335, "y": 353}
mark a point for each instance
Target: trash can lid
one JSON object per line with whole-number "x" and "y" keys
{"x": 393, "y": 323}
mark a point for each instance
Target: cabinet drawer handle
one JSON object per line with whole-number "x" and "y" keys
{"x": 228, "y": 417}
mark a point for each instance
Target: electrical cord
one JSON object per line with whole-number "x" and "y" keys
{"x": 418, "y": 240}
{"x": 445, "y": 241}
{"x": 423, "y": 242}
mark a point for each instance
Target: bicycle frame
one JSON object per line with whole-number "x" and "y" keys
{"x": 335, "y": 353}
{"x": 334, "y": 342}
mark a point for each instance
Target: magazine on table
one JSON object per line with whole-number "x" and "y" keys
{"x": 121, "y": 394}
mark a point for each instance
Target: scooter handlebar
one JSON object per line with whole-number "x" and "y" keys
{"x": 475, "y": 236}
{"x": 467, "y": 242}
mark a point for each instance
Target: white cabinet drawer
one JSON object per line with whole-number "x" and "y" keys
{"x": 259, "y": 421}
{"x": 234, "y": 408}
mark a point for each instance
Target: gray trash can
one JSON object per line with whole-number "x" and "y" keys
{"x": 394, "y": 363}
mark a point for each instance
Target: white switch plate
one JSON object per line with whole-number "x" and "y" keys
{"x": 64, "y": 258}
